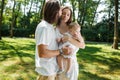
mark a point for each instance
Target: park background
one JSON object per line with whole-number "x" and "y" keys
{"x": 100, "y": 22}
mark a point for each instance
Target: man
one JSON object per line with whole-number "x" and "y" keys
{"x": 46, "y": 45}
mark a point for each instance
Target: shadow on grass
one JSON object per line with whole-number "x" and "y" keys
{"x": 88, "y": 56}
{"x": 116, "y": 53}
{"x": 25, "y": 71}
{"x": 16, "y": 50}
{"x": 90, "y": 76}
{"x": 23, "y": 68}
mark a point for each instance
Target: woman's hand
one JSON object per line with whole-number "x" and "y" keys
{"x": 78, "y": 37}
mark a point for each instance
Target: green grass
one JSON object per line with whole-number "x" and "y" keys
{"x": 96, "y": 62}
{"x": 17, "y": 59}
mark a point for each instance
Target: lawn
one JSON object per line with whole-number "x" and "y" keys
{"x": 96, "y": 62}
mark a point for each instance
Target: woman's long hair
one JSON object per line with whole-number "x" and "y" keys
{"x": 70, "y": 19}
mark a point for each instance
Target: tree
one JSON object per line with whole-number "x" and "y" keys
{"x": 95, "y": 11}
{"x": 13, "y": 19}
{"x": 41, "y": 9}
{"x": 115, "y": 42}
{"x": 1, "y": 15}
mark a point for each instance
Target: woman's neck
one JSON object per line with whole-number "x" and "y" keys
{"x": 63, "y": 27}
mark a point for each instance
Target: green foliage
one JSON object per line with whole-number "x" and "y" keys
{"x": 5, "y": 30}
{"x": 102, "y": 31}
{"x": 26, "y": 19}
{"x": 90, "y": 34}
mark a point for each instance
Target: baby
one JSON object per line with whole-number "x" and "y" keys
{"x": 73, "y": 32}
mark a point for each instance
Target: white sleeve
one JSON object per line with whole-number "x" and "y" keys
{"x": 68, "y": 34}
{"x": 41, "y": 36}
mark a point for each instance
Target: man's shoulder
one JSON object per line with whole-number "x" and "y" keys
{"x": 44, "y": 24}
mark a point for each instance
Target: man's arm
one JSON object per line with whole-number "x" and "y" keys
{"x": 44, "y": 52}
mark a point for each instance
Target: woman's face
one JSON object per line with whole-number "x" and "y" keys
{"x": 65, "y": 15}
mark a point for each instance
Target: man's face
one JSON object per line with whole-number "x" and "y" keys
{"x": 58, "y": 15}
{"x": 60, "y": 12}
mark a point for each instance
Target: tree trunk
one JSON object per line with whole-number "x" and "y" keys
{"x": 13, "y": 20}
{"x": 109, "y": 22}
{"x": 73, "y": 6}
{"x": 115, "y": 42}
{"x": 1, "y": 15}
{"x": 24, "y": 6}
{"x": 41, "y": 9}
{"x": 84, "y": 12}
{"x": 79, "y": 11}
{"x": 95, "y": 12}
{"x": 29, "y": 14}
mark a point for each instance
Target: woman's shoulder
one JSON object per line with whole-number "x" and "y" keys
{"x": 58, "y": 33}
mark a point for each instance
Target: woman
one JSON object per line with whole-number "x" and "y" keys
{"x": 62, "y": 27}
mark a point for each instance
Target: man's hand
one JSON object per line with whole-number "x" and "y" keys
{"x": 67, "y": 50}
{"x": 59, "y": 40}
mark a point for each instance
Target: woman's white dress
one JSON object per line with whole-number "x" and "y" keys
{"x": 73, "y": 74}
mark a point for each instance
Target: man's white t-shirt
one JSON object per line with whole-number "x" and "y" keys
{"x": 45, "y": 34}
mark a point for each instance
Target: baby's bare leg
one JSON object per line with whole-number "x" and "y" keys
{"x": 59, "y": 61}
{"x": 69, "y": 64}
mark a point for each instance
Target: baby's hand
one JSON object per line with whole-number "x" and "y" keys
{"x": 65, "y": 38}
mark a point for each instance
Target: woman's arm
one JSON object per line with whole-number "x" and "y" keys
{"x": 78, "y": 41}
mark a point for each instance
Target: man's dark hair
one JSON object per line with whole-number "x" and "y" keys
{"x": 51, "y": 8}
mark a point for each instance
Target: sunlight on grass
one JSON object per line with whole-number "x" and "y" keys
{"x": 17, "y": 59}
{"x": 98, "y": 61}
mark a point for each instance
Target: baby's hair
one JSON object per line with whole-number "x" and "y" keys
{"x": 73, "y": 24}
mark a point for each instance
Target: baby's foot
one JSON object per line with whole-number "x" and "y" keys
{"x": 67, "y": 74}
{"x": 60, "y": 71}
